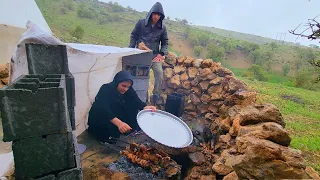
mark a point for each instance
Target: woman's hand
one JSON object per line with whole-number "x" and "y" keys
{"x": 152, "y": 108}
{"x": 124, "y": 127}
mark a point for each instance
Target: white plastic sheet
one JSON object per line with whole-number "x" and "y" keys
{"x": 91, "y": 65}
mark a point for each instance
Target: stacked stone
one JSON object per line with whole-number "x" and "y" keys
{"x": 35, "y": 117}
{"x": 250, "y": 138}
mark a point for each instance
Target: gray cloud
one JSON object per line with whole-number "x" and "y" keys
{"x": 260, "y": 17}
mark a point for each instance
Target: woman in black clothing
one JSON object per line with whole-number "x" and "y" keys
{"x": 115, "y": 108}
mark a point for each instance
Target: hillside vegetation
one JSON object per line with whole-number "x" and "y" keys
{"x": 279, "y": 72}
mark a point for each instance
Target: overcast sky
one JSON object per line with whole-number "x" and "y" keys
{"x": 260, "y": 17}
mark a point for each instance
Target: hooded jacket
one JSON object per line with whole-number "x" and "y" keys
{"x": 151, "y": 36}
{"x": 109, "y": 103}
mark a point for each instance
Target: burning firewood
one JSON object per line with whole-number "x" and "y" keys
{"x": 151, "y": 158}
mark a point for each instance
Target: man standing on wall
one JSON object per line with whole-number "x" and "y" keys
{"x": 151, "y": 31}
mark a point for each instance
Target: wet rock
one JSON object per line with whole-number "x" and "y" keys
{"x": 197, "y": 158}
{"x": 197, "y": 63}
{"x": 261, "y": 113}
{"x": 171, "y": 58}
{"x": 174, "y": 82}
{"x": 204, "y": 85}
{"x": 271, "y": 131}
{"x": 207, "y": 63}
{"x": 179, "y": 69}
{"x": 204, "y": 73}
{"x": 167, "y": 73}
{"x": 192, "y": 72}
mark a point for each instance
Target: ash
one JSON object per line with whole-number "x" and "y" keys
{"x": 135, "y": 172}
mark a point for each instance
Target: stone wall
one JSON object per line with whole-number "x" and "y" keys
{"x": 245, "y": 139}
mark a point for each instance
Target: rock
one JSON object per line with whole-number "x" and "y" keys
{"x": 195, "y": 82}
{"x": 167, "y": 73}
{"x": 192, "y": 72}
{"x": 261, "y": 113}
{"x": 217, "y": 103}
{"x": 225, "y": 141}
{"x": 215, "y": 67}
{"x": 179, "y": 69}
{"x": 197, "y": 63}
{"x": 216, "y": 81}
{"x": 184, "y": 77}
{"x": 203, "y": 171}
{"x": 223, "y": 110}
{"x": 213, "y": 109}
{"x": 171, "y": 58}
{"x": 166, "y": 65}
{"x": 205, "y": 98}
{"x": 210, "y": 116}
{"x": 211, "y": 77}
{"x": 312, "y": 173}
{"x": 264, "y": 159}
{"x": 222, "y": 72}
{"x": 189, "y": 107}
{"x": 204, "y": 73}
{"x": 207, "y": 63}
{"x": 174, "y": 82}
{"x": 186, "y": 85}
{"x": 184, "y": 91}
{"x": 192, "y": 114}
{"x": 197, "y": 91}
{"x": 194, "y": 99}
{"x": 204, "y": 85}
{"x": 215, "y": 89}
{"x": 220, "y": 168}
{"x": 267, "y": 150}
{"x": 235, "y": 85}
{"x": 169, "y": 91}
{"x": 269, "y": 130}
{"x": 236, "y": 124}
{"x": 188, "y": 61}
{"x": 197, "y": 158}
{"x": 216, "y": 96}
{"x": 202, "y": 108}
{"x": 208, "y": 177}
{"x": 120, "y": 176}
{"x": 231, "y": 176}
{"x": 225, "y": 124}
{"x": 180, "y": 60}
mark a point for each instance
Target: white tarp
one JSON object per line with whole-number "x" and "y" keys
{"x": 91, "y": 66}
{"x": 14, "y": 14}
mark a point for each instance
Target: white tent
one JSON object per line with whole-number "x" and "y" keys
{"x": 14, "y": 14}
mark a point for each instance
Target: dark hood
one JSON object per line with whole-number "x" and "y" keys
{"x": 157, "y": 7}
{"x": 122, "y": 76}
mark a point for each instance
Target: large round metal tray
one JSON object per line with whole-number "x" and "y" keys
{"x": 165, "y": 128}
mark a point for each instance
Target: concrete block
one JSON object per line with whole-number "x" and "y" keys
{"x": 34, "y": 108}
{"x": 44, "y": 155}
{"x": 47, "y": 59}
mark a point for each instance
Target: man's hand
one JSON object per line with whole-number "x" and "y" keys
{"x": 158, "y": 58}
{"x": 152, "y": 108}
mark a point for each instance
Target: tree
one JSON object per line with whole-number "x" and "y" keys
{"x": 258, "y": 73}
{"x": 285, "y": 69}
{"x": 260, "y": 56}
{"x": 228, "y": 45}
{"x": 197, "y": 50}
{"x": 273, "y": 45}
{"x": 203, "y": 39}
{"x": 78, "y": 32}
{"x": 215, "y": 52}
{"x": 184, "y": 21}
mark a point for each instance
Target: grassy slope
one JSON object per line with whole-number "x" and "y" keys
{"x": 302, "y": 119}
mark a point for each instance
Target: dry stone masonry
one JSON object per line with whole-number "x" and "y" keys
{"x": 38, "y": 117}
{"x": 242, "y": 139}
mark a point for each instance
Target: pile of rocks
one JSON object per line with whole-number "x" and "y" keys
{"x": 251, "y": 141}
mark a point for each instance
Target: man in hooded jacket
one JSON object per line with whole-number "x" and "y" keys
{"x": 151, "y": 31}
{"x": 115, "y": 108}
